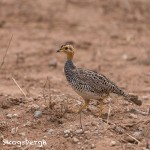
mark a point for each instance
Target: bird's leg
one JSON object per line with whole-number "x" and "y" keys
{"x": 101, "y": 107}
{"x": 84, "y": 106}
{"x": 101, "y": 104}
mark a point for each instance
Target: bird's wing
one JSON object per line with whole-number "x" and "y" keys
{"x": 99, "y": 83}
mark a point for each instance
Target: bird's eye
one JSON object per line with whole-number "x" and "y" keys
{"x": 66, "y": 48}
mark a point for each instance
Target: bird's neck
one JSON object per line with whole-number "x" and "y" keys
{"x": 69, "y": 65}
{"x": 70, "y": 56}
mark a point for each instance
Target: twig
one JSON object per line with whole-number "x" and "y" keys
{"x": 44, "y": 88}
{"x": 4, "y": 57}
{"x": 81, "y": 126}
{"x": 108, "y": 114}
{"x": 18, "y": 86}
{"x": 137, "y": 111}
{"x": 49, "y": 92}
{"x": 133, "y": 137}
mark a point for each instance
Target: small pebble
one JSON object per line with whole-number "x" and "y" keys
{"x": 145, "y": 97}
{"x": 44, "y": 106}
{"x": 30, "y": 99}
{"x": 137, "y": 135}
{"x": 129, "y": 139}
{"x": 79, "y": 131}
{"x": 34, "y": 107}
{"x": 133, "y": 116}
{"x": 1, "y": 137}
{"x": 86, "y": 141}
{"x": 53, "y": 63}
{"x": 15, "y": 115}
{"x": 82, "y": 148}
{"x": 22, "y": 134}
{"x": 112, "y": 143}
{"x": 125, "y": 56}
{"x": 92, "y": 146}
{"x": 75, "y": 140}
{"x": 129, "y": 145}
{"x": 14, "y": 130}
{"x": 45, "y": 137}
{"x": 86, "y": 132}
{"x": 37, "y": 114}
{"x": 9, "y": 116}
{"x": 28, "y": 124}
{"x": 120, "y": 130}
{"x": 66, "y": 135}
{"x": 67, "y": 131}
{"x": 50, "y": 131}
{"x": 93, "y": 123}
{"x": 129, "y": 58}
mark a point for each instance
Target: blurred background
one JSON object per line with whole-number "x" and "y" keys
{"x": 108, "y": 36}
{"x": 111, "y": 37}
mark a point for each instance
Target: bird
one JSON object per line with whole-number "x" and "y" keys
{"x": 89, "y": 84}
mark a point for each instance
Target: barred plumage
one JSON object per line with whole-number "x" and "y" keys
{"x": 83, "y": 81}
{"x": 89, "y": 84}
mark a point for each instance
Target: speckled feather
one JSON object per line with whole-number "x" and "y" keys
{"x": 89, "y": 84}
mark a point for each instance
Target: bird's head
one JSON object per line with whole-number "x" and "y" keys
{"x": 68, "y": 49}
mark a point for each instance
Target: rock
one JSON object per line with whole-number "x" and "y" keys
{"x": 50, "y": 131}
{"x": 87, "y": 132}
{"x": 137, "y": 135}
{"x": 53, "y": 63}
{"x": 3, "y": 125}
{"x": 9, "y": 116}
{"x": 67, "y": 133}
{"x": 37, "y": 114}
{"x": 93, "y": 123}
{"x": 15, "y": 115}
{"x": 79, "y": 131}
{"x": 86, "y": 141}
{"x": 28, "y": 124}
{"x": 125, "y": 56}
{"x": 82, "y": 148}
{"x": 120, "y": 130}
{"x": 112, "y": 143}
{"x": 34, "y": 107}
{"x": 75, "y": 140}
{"x": 12, "y": 116}
{"x": 1, "y": 137}
{"x": 92, "y": 146}
{"x": 45, "y": 137}
{"x": 128, "y": 58}
{"x": 6, "y": 104}
{"x": 145, "y": 97}
{"x": 44, "y": 106}
{"x": 129, "y": 139}
{"x": 29, "y": 99}
{"x": 133, "y": 116}
{"x": 14, "y": 130}
{"x": 22, "y": 134}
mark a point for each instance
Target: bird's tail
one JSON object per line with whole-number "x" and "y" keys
{"x": 134, "y": 98}
{"x": 129, "y": 97}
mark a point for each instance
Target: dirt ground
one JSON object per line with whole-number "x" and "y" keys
{"x": 110, "y": 37}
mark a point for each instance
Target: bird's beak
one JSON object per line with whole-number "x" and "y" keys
{"x": 60, "y": 50}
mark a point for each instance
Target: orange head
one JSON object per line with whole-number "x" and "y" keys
{"x": 68, "y": 49}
